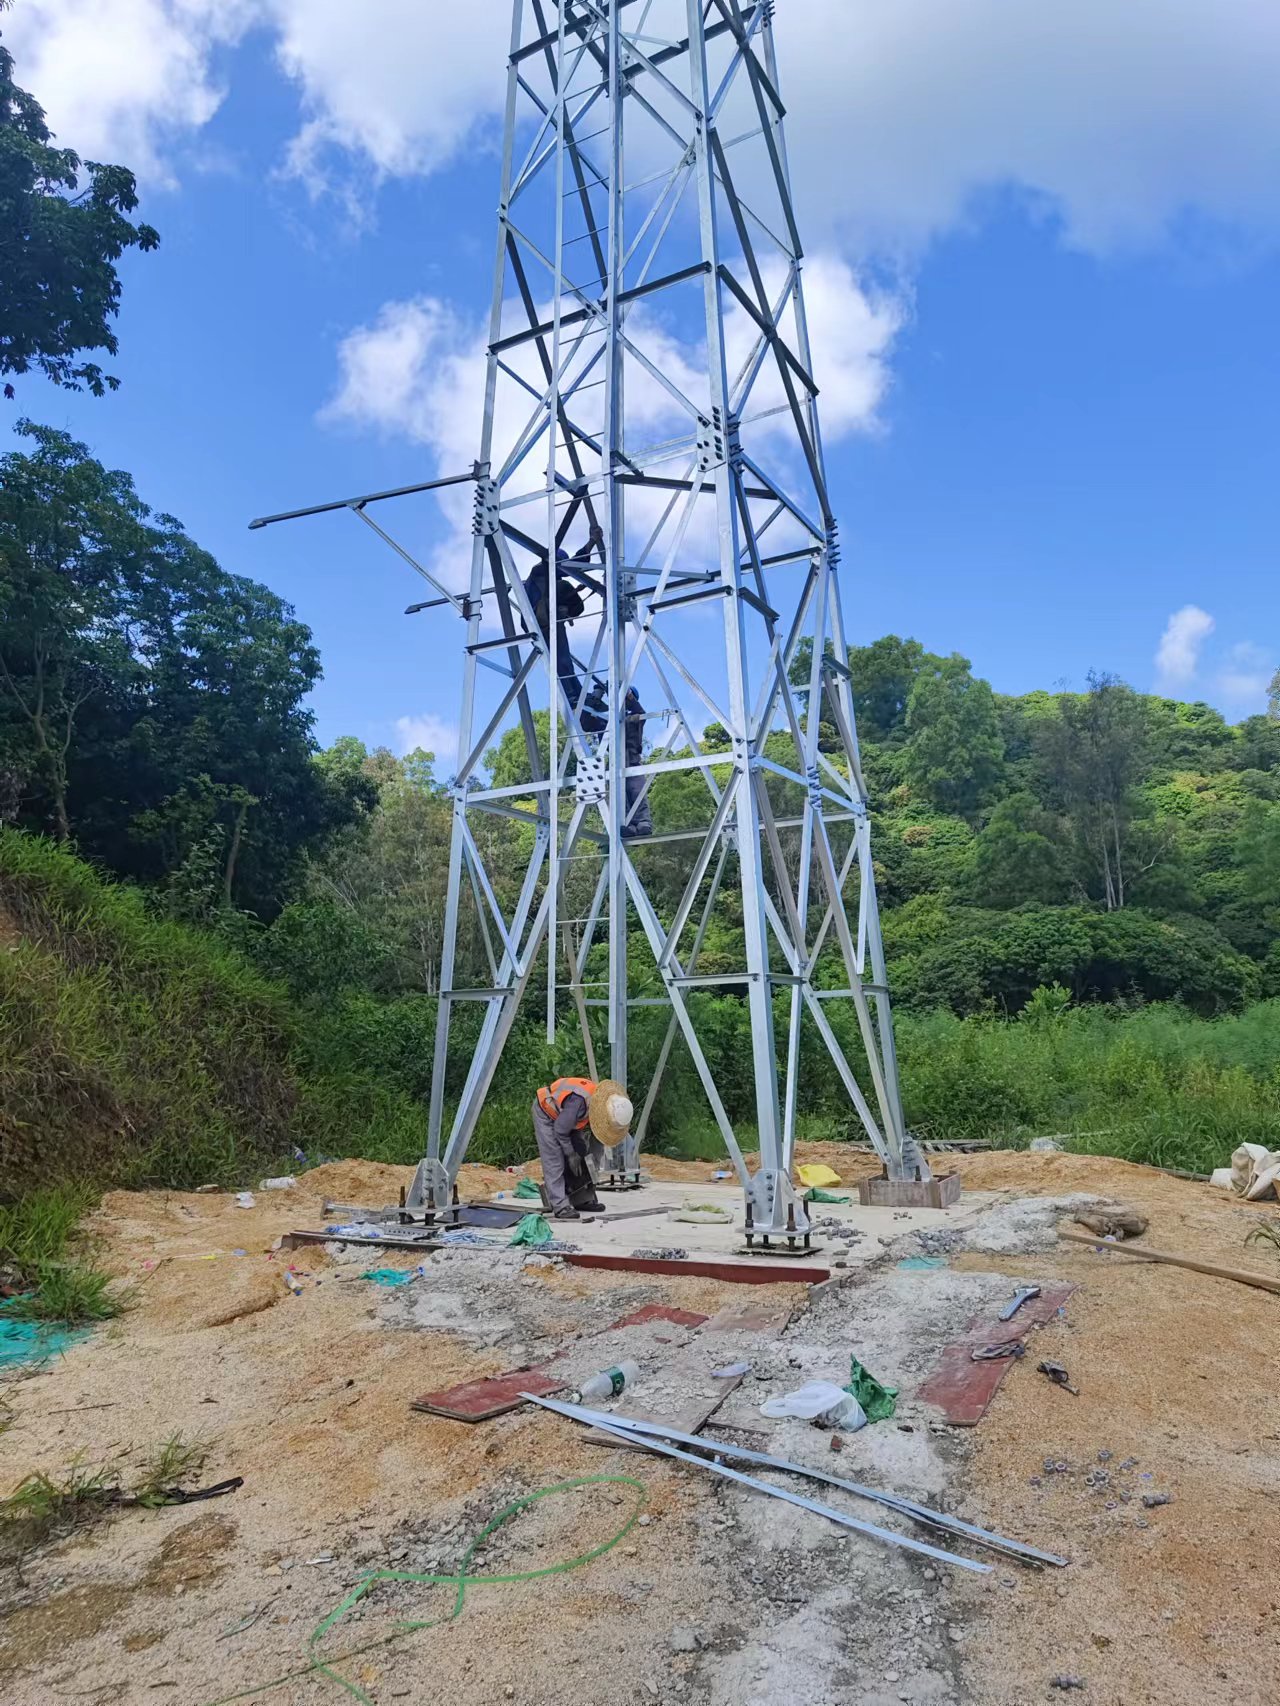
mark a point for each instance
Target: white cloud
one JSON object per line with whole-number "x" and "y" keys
{"x": 429, "y": 733}
{"x": 1117, "y": 119}
{"x": 400, "y": 83}
{"x": 121, "y": 79}
{"x": 417, "y": 371}
{"x": 1245, "y": 677}
{"x": 1178, "y": 654}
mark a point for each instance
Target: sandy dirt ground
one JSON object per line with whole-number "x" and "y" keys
{"x": 716, "y": 1595}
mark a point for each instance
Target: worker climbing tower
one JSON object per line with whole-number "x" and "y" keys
{"x": 654, "y": 553}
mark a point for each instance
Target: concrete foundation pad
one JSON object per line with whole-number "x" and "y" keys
{"x": 652, "y": 1234}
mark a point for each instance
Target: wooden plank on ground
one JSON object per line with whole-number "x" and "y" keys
{"x": 689, "y": 1417}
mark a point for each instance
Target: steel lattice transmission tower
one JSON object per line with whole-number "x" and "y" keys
{"x": 650, "y": 391}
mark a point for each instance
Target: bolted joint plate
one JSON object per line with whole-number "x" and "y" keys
{"x": 431, "y": 1187}
{"x": 591, "y": 783}
{"x": 773, "y": 1197}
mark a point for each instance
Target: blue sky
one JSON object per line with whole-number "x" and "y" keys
{"x": 1072, "y": 442}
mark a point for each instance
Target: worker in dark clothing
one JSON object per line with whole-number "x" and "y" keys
{"x": 562, "y": 1130}
{"x": 639, "y": 819}
{"x": 569, "y": 607}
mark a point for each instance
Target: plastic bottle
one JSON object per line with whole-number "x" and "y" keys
{"x": 609, "y": 1383}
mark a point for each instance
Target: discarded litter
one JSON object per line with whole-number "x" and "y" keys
{"x": 285, "y": 1182}
{"x": 356, "y": 1229}
{"x": 703, "y": 1213}
{"x": 1059, "y": 1377}
{"x": 817, "y": 1400}
{"x": 1254, "y": 1172}
{"x": 722, "y": 1174}
{"x": 816, "y": 1176}
{"x": 994, "y": 1353}
{"x": 817, "y": 1195}
{"x": 393, "y": 1276}
{"x": 527, "y": 1190}
{"x": 1024, "y": 1294}
{"x": 244, "y": 1199}
{"x": 1065, "y": 1682}
{"x": 878, "y": 1401}
{"x": 533, "y": 1229}
{"x": 920, "y": 1264}
{"x": 609, "y": 1382}
{"x": 33, "y": 1341}
{"x": 731, "y": 1371}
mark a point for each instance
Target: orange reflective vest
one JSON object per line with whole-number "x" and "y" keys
{"x": 551, "y": 1097}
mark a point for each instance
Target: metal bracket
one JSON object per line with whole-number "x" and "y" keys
{"x": 774, "y": 1209}
{"x": 431, "y": 1189}
{"x": 591, "y": 783}
{"x": 486, "y": 511}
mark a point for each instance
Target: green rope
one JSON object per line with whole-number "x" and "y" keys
{"x": 460, "y": 1580}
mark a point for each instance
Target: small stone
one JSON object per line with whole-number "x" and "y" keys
{"x": 1063, "y": 1593}
{"x": 891, "y": 1676}
{"x": 643, "y": 1521}
{"x": 954, "y": 1634}
{"x": 684, "y": 1640}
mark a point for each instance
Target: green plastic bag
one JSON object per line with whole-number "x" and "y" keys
{"x": 527, "y": 1188}
{"x": 817, "y": 1195}
{"x": 533, "y": 1229}
{"x": 878, "y": 1402}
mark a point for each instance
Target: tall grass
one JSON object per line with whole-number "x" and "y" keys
{"x": 131, "y": 1049}
{"x": 39, "y": 1245}
{"x": 138, "y": 1051}
{"x": 1155, "y": 1085}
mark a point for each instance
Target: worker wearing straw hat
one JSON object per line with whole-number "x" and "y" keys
{"x": 574, "y": 1121}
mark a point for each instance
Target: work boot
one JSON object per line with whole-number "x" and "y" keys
{"x": 568, "y": 1212}
{"x": 595, "y": 1206}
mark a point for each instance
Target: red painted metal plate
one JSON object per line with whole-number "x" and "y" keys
{"x": 478, "y": 1400}
{"x": 660, "y": 1312}
{"x": 755, "y": 1272}
{"x": 963, "y": 1389}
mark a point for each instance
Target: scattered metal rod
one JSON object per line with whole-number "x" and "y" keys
{"x": 1024, "y": 1295}
{"x": 895, "y": 1501}
{"x": 608, "y": 1424}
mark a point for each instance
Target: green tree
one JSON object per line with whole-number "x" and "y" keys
{"x": 1016, "y": 858}
{"x": 1273, "y": 698}
{"x": 884, "y": 674}
{"x": 59, "y": 242}
{"x": 73, "y": 564}
{"x": 151, "y": 704}
{"x": 953, "y": 754}
{"x": 1259, "y": 857}
{"x": 1094, "y": 753}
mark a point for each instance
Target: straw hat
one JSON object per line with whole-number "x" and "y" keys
{"x": 609, "y": 1112}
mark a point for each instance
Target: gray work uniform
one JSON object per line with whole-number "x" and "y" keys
{"x": 564, "y": 1172}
